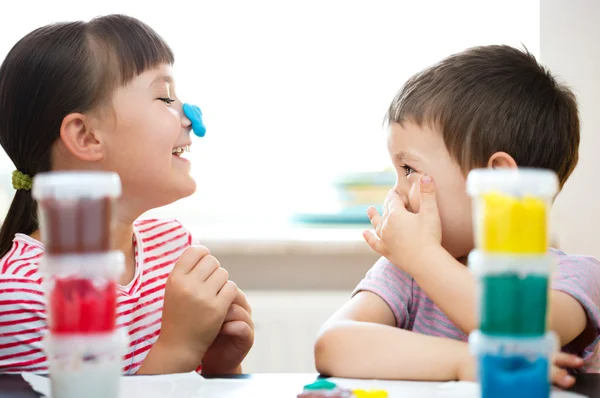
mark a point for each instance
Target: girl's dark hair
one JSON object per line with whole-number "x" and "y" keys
{"x": 57, "y": 70}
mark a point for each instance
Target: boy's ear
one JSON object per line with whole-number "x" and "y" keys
{"x": 79, "y": 138}
{"x": 501, "y": 160}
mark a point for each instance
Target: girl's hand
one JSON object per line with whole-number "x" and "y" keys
{"x": 198, "y": 295}
{"x": 234, "y": 340}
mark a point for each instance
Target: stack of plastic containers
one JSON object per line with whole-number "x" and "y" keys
{"x": 80, "y": 272}
{"x": 513, "y": 269}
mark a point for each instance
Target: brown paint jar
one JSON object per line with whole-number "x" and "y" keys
{"x": 75, "y": 210}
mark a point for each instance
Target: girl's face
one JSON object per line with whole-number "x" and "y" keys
{"x": 140, "y": 141}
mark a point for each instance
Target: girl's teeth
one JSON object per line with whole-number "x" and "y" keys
{"x": 181, "y": 149}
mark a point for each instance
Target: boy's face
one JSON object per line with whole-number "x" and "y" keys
{"x": 419, "y": 150}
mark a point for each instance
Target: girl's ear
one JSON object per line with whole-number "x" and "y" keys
{"x": 79, "y": 138}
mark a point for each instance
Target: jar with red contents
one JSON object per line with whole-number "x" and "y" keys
{"x": 82, "y": 292}
{"x": 80, "y": 270}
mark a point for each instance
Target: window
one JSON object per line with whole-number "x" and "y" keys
{"x": 293, "y": 92}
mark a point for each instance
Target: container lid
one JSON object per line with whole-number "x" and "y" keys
{"x": 546, "y": 345}
{"x": 516, "y": 182}
{"x": 76, "y": 185}
{"x": 481, "y": 263}
{"x": 109, "y": 264}
{"x": 86, "y": 344}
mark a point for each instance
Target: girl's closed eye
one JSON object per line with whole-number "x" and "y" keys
{"x": 166, "y": 100}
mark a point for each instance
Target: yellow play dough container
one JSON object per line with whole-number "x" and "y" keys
{"x": 511, "y": 209}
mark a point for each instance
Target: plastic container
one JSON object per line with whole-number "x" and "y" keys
{"x": 75, "y": 210}
{"x": 511, "y": 209}
{"x": 512, "y": 293}
{"x": 514, "y": 367}
{"x": 85, "y": 366}
{"x": 82, "y": 292}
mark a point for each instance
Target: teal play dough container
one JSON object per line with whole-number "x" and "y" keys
{"x": 512, "y": 292}
{"x": 514, "y": 367}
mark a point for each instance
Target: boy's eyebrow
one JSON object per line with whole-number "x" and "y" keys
{"x": 161, "y": 80}
{"x": 403, "y": 156}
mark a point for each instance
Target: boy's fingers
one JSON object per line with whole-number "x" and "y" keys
{"x": 562, "y": 378}
{"x": 375, "y": 219}
{"x": 374, "y": 242}
{"x": 565, "y": 360}
{"x": 393, "y": 202}
{"x": 429, "y": 204}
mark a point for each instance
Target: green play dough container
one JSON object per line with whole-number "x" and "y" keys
{"x": 512, "y": 305}
{"x": 512, "y": 293}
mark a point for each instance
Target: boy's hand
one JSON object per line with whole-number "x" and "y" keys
{"x": 236, "y": 337}
{"x": 559, "y": 376}
{"x": 198, "y": 295}
{"x": 401, "y": 236}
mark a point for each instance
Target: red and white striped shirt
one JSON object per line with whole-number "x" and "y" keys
{"x": 23, "y": 322}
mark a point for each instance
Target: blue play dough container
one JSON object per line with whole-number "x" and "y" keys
{"x": 514, "y": 367}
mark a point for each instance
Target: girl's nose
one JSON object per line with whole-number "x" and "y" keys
{"x": 185, "y": 121}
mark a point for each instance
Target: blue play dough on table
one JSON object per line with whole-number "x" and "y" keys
{"x": 194, "y": 113}
{"x": 513, "y": 376}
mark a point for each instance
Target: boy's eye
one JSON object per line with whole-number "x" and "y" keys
{"x": 167, "y": 100}
{"x": 408, "y": 170}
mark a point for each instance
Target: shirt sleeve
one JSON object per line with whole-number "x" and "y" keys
{"x": 579, "y": 277}
{"x": 393, "y": 286}
{"x": 23, "y": 324}
{"x": 188, "y": 234}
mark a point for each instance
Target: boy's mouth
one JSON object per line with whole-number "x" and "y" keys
{"x": 178, "y": 151}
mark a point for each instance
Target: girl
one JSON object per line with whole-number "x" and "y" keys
{"x": 101, "y": 96}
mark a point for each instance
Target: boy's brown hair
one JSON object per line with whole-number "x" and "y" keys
{"x": 494, "y": 98}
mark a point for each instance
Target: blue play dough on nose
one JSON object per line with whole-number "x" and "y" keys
{"x": 194, "y": 113}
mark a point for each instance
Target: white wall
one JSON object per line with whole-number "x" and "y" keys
{"x": 569, "y": 32}
{"x": 310, "y": 78}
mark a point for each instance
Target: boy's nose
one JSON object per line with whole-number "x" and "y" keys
{"x": 410, "y": 194}
{"x": 402, "y": 191}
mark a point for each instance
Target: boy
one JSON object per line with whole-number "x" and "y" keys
{"x": 409, "y": 318}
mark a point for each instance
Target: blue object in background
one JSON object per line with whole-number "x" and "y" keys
{"x": 194, "y": 113}
{"x": 346, "y": 216}
{"x": 354, "y": 193}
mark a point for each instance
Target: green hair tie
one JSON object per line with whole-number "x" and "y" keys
{"x": 21, "y": 181}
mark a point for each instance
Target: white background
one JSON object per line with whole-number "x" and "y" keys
{"x": 293, "y": 92}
